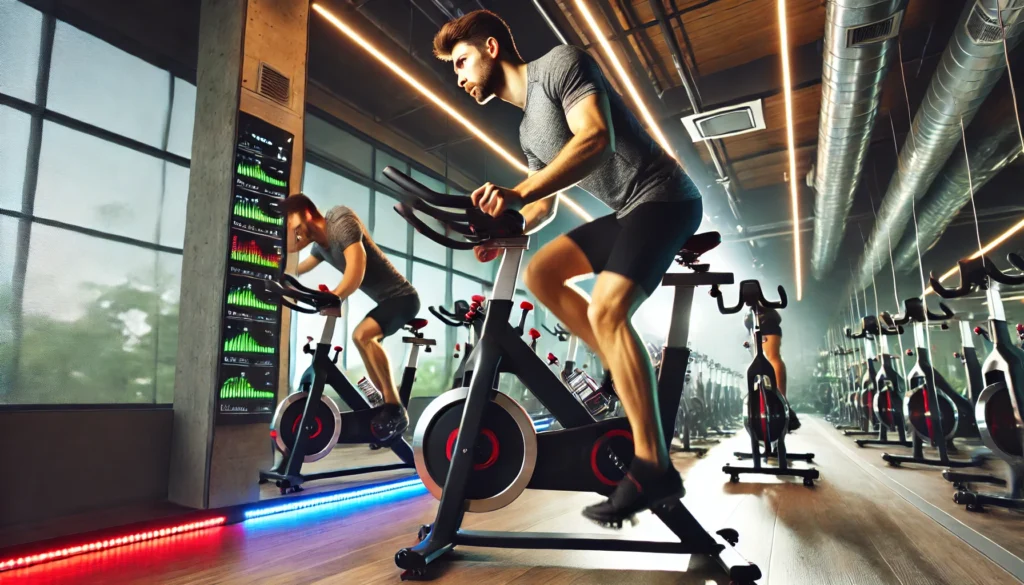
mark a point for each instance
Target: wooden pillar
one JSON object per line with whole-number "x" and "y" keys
{"x": 214, "y": 465}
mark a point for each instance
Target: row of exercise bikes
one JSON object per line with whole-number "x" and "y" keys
{"x": 477, "y": 448}
{"x": 916, "y": 408}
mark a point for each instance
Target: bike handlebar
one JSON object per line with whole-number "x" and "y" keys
{"x": 751, "y": 296}
{"x": 915, "y": 309}
{"x": 477, "y": 226}
{"x": 289, "y": 286}
{"x": 974, "y": 274}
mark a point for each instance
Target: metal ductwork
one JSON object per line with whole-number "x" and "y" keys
{"x": 971, "y": 65}
{"x": 860, "y": 41}
{"x": 952, "y": 190}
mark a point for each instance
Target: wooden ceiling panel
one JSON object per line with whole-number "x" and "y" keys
{"x": 806, "y": 103}
{"x": 771, "y": 169}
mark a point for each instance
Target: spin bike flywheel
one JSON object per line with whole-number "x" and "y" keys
{"x": 919, "y": 414}
{"x": 886, "y": 406}
{"x": 322, "y": 431}
{"x": 504, "y": 454}
{"x": 996, "y": 422}
{"x": 769, "y": 416}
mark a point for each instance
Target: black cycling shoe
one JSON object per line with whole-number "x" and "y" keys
{"x": 607, "y": 386}
{"x": 389, "y": 423}
{"x": 794, "y": 422}
{"x": 641, "y": 489}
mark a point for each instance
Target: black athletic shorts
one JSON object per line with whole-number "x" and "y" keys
{"x": 393, "y": 314}
{"x": 641, "y": 245}
{"x": 771, "y": 322}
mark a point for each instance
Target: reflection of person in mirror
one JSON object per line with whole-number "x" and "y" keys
{"x": 771, "y": 343}
{"x": 577, "y": 130}
{"x": 340, "y": 238}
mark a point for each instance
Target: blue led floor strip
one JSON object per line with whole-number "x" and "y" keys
{"x": 393, "y": 489}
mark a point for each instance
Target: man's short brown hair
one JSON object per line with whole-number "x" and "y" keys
{"x": 299, "y": 203}
{"x": 475, "y": 28}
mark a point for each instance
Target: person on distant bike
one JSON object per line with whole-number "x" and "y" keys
{"x": 771, "y": 343}
{"x": 341, "y": 238}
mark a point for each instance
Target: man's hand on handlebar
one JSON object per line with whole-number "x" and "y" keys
{"x": 484, "y": 254}
{"x": 494, "y": 200}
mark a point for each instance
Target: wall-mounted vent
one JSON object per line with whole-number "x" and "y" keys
{"x": 273, "y": 85}
{"x": 982, "y": 27}
{"x": 874, "y": 32}
{"x": 727, "y": 121}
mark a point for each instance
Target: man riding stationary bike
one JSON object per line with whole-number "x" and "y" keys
{"x": 577, "y": 130}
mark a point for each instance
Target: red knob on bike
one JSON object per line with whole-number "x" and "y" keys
{"x": 534, "y": 334}
{"x": 977, "y": 330}
{"x": 309, "y": 339}
{"x": 478, "y": 298}
{"x": 526, "y": 306}
{"x": 746, "y": 345}
{"x": 470, "y": 315}
{"x": 458, "y": 347}
{"x": 552, "y": 359}
{"x": 337, "y": 348}
{"x": 1020, "y": 328}
{"x": 957, "y": 355}
{"x": 324, "y": 288}
{"x": 910, "y": 352}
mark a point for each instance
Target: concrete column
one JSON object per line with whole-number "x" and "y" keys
{"x": 211, "y": 465}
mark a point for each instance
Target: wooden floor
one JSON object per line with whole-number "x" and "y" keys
{"x": 852, "y": 528}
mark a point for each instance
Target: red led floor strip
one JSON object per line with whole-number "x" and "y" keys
{"x": 107, "y": 543}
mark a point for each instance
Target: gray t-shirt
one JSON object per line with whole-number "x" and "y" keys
{"x": 640, "y": 171}
{"x": 344, "y": 228}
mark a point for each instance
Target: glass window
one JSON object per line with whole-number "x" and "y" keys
{"x": 465, "y": 261}
{"x": 90, "y": 323}
{"x": 386, "y": 160}
{"x": 183, "y": 116}
{"x": 168, "y": 287}
{"x": 328, "y": 189}
{"x": 20, "y": 35}
{"x": 334, "y": 143}
{"x": 93, "y": 81}
{"x": 428, "y": 180}
{"x": 173, "y": 208}
{"x": 8, "y": 240}
{"x": 431, "y": 377}
{"x": 96, "y": 184}
{"x": 464, "y": 288}
{"x": 389, "y": 229}
{"x": 14, "y": 127}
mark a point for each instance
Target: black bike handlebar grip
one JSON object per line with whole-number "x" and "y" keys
{"x": 428, "y": 232}
{"x": 781, "y": 304}
{"x": 417, "y": 189}
{"x": 963, "y": 290}
{"x": 947, "y": 313}
{"x": 295, "y": 307}
{"x": 443, "y": 319}
{"x": 1001, "y": 277}
{"x": 717, "y": 293}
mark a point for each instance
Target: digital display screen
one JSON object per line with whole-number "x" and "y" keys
{"x": 251, "y": 329}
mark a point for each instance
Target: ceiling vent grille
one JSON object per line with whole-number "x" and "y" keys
{"x": 274, "y": 85}
{"x": 874, "y": 32}
{"x": 727, "y": 121}
{"x": 982, "y": 27}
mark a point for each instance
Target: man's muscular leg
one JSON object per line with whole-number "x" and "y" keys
{"x": 615, "y": 300}
{"x": 367, "y": 338}
{"x": 546, "y": 277}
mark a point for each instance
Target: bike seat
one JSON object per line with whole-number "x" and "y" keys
{"x": 417, "y": 324}
{"x": 700, "y": 244}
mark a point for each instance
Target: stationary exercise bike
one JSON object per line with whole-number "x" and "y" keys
{"x": 308, "y": 424}
{"x": 767, "y": 420}
{"x": 476, "y": 449}
{"x": 928, "y": 407}
{"x": 1000, "y": 406}
{"x": 586, "y": 389}
{"x": 887, "y": 402}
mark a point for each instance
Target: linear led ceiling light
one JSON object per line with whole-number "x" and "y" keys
{"x": 448, "y": 108}
{"x": 624, "y": 77}
{"x": 787, "y": 89}
{"x": 988, "y": 248}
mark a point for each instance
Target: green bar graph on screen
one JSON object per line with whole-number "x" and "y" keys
{"x": 253, "y": 212}
{"x": 244, "y": 343}
{"x": 244, "y": 297}
{"x": 257, "y": 172}
{"x": 239, "y": 387}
